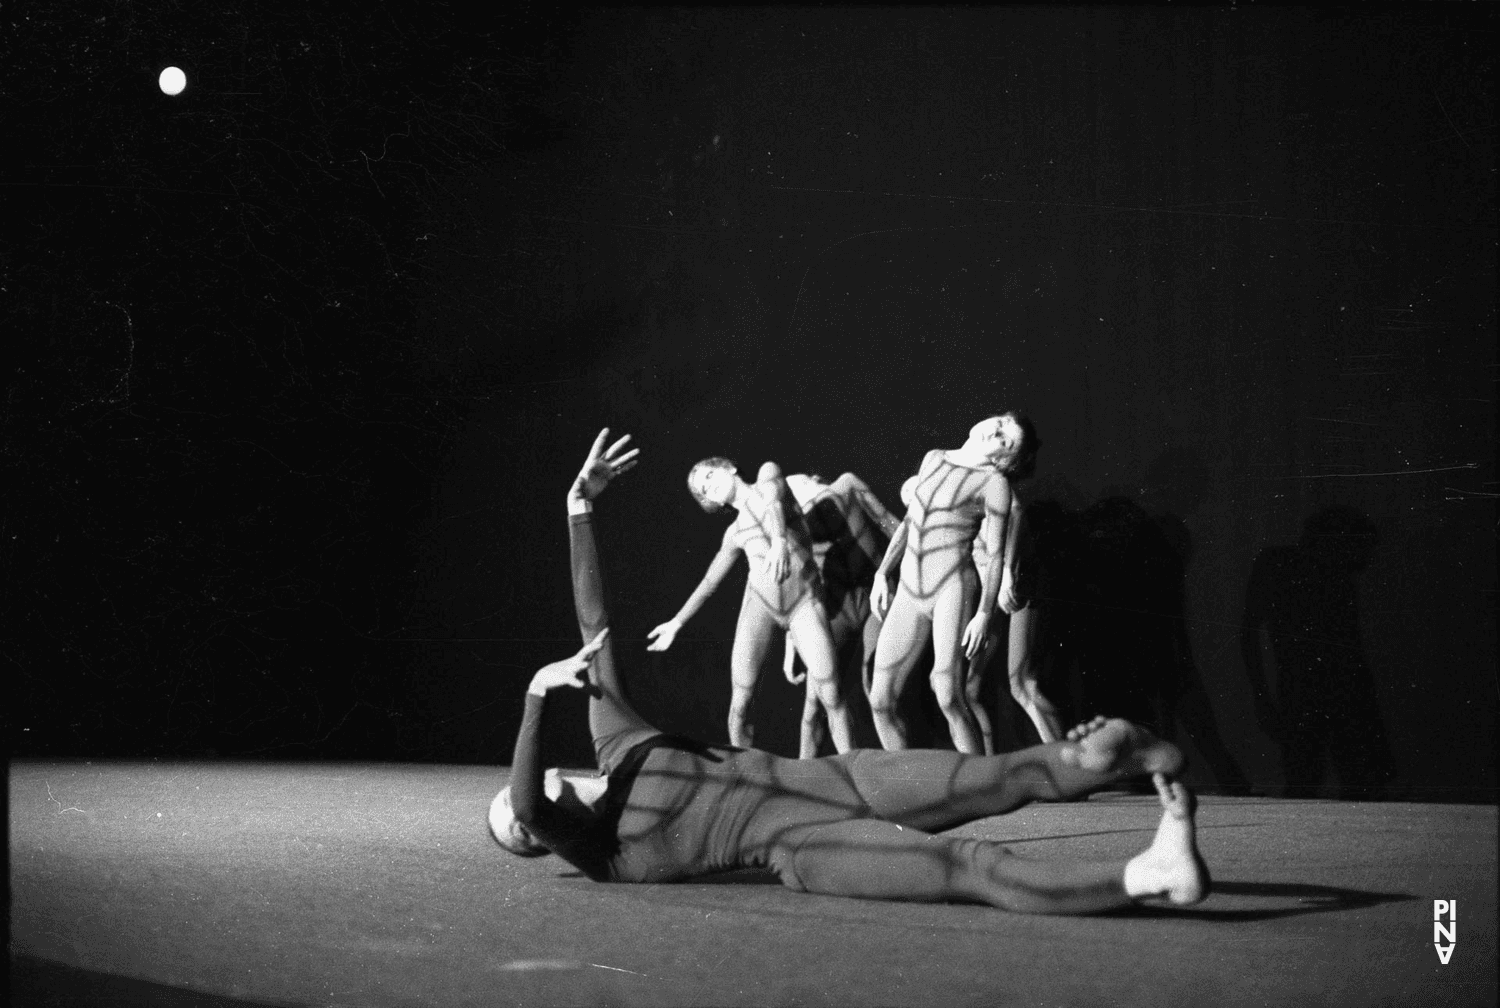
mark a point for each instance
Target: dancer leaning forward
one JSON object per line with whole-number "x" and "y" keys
{"x": 666, "y": 808}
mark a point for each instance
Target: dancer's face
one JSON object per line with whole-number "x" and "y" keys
{"x": 716, "y": 485}
{"x": 998, "y": 437}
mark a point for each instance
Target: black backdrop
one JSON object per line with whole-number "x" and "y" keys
{"x": 309, "y": 352}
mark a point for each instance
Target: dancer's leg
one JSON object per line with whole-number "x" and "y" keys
{"x": 614, "y": 724}
{"x": 974, "y": 683}
{"x": 752, "y": 639}
{"x": 810, "y": 632}
{"x": 813, "y": 725}
{"x": 845, "y": 626}
{"x": 951, "y": 612}
{"x": 935, "y": 789}
{"x": 902, "y": 635}
{"x": 1020, "y": 658}
{"x": 867, "y": 656}
{"x": 874, "y": 859}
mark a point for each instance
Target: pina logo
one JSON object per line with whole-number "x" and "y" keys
{"x": 1444, "y": 932}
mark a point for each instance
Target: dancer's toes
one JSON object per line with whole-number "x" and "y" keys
{"x": 1176, "y": 800}
{"x": 1086, "y": 728}
{"x": 1115, "y": 746}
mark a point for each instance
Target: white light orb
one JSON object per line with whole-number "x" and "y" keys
{"x": 172, "y": 81}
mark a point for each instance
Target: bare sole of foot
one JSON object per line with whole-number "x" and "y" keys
{"x": 1106, "y": 745}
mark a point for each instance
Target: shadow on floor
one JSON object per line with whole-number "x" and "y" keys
{"x": 1308, "y": 899}
{"x": 41, "y": 983}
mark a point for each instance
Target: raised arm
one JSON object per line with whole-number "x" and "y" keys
{"x": 661, "y": 637}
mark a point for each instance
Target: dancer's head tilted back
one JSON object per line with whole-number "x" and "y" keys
{"x": 711, "y": 482}
{"x": 1022, "y": 462}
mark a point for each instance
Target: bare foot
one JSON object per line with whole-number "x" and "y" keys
{"x": 1116, "y": 746}
{"x": 1171, "y": 866}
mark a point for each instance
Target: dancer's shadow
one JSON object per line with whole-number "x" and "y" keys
{"x": 1305, "y": 597}
{"x": 1308, "y": 898}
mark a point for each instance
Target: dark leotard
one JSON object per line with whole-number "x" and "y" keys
{"x": 848, "y": 542}
{"x": 852, "y": 825}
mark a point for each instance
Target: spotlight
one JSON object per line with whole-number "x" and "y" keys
{"x": 172, "y": 81}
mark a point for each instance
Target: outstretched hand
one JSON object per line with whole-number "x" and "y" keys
{"x": 603, "y": 465}
{"x": 571, "y": 672}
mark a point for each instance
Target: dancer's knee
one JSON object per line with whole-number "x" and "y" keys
{"x": 882, "y": 702}
{"x": 945, "y": 687}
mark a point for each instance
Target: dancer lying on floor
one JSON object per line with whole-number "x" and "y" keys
{"x": 856, "y": 824}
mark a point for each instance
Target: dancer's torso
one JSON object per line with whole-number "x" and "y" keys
{"x": 692, "y": 810}
{"x": 948, "y": 504}
{"x": 751, "y": 534}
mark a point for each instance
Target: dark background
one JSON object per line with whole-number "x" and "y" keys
{"x": 307, "y": 355}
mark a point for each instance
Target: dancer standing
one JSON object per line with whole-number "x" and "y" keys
{"x": 1015, "y": 599}
{"x": 939, "y": 595}
{"x": 850, "y": 530}
{"x": 856, "y": 824}
{"x": 782, "y": 591}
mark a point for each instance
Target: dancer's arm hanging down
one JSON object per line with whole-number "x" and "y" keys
{"x": 778, "y": 556}
{"x": 664, "y": 634}
{"x": 998, "y": 544}
{"x": 880, "y": 591}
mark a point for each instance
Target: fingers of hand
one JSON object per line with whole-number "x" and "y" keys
{"x": 615, "y": 448}
{"x": 598, "y": 447}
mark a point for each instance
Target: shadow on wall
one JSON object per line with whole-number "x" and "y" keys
{"x": 1111, "y": 623}
{"x": 1322, "y": 707}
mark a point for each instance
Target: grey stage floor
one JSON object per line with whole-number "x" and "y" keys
{"x": 377, "y": 884}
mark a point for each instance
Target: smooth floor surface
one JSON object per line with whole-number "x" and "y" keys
{"x": 378, "y": 885}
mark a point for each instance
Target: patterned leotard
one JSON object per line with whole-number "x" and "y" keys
{"x": 948, "y": 505}
{"x": 750, "y": 533}
{"x": 848, "y": 544}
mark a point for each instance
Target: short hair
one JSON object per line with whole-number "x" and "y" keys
{"x": 508, "y": 831}
{"x": 1023, "y": 463}
{"x": 714, "y": 462}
